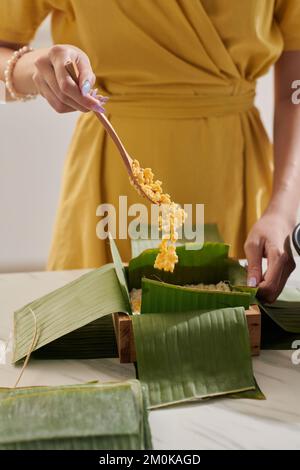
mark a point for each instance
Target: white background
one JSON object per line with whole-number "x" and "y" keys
{"x": 33, "y": 145}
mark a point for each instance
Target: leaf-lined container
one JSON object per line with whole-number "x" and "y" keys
{"x": 189, "y": 343}
{"x": 209, "y": 264}
{"x": 163, "y": 292}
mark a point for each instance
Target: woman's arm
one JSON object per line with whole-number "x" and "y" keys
{"x": 286, "y": 188}
{"x": 43, "y": 71}
{"x": 270, "y": 235}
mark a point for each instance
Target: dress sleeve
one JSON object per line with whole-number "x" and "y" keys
{"x": 287, "y": 15}
{"x": 19, "y": 19}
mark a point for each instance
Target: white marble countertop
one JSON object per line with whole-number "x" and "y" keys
{"x": 213, "y": 424}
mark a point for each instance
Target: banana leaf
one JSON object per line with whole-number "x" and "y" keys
{"x": 281, "y": 320}
{"x": 209, "y": 264}
{"x": 83, "y": 301}
{"x": 121, "y": 273}
{"x": 76, "y": 417}
{"x": 211, "y": 234}
{"x": 186, "y": 356}
{"x": 285, "y": 311}
{"x": 273, "y": 336}
{"x": 161, "y": 297}
{"x": 256, "y": 394}
{"x": 94, "y": 340}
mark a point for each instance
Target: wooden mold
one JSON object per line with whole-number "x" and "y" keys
{"x": 125, "y": 339}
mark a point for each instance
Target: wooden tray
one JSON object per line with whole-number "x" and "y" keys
{"x": 125, "y": 339}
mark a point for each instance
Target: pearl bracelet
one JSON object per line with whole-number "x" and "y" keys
{"x": 8, "y": 74}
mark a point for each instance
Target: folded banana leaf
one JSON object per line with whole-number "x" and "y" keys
{"x": 76, "y": 417}
{"x": 285, "y": 311}
{"x": 186, "y": 356}
{"x": 84, "y": 301}
{"x": 209, "y": 264}
{"x": 211, "y": 234}
{"x": 281, "y": 325}
{"x": 162, "y": 297}
{"x": 94, "y": 340}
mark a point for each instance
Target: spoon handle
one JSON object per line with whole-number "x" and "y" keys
{"x": 72, "y": 69}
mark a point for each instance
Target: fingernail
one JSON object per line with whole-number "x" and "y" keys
{"x": 86, "y": 88}
{"x": 251, "y": 282}
{"x": 103, "y": 99}
{"x": 101, "y": 102}
{"x": 98, "y": 108}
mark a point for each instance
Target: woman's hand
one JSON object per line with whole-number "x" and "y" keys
{"x": 270, "y": 238}
{"x": 51, "y": 80}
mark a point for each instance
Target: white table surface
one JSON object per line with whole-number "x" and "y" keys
{"x": 214, "y": 424}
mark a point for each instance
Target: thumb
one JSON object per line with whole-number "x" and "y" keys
{"x": 254, "y": 254}
{"x": 86, "y": 77}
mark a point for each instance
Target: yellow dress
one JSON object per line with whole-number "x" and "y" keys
{"x": 181, "y": 77}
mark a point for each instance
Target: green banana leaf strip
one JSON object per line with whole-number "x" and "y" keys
{"x": 209, "y": 264}
{"x": 285, "y": 311}
{"x": 85, "y": 300}
{"x": 186, "y": 356}
{"x": 211, "y": 234}
{"x": 121, "y": 273}
{"x": 273, "y": 336}
{"x": 90, "y": 416}
{"x": 252, "y": 291}
{"x": 161, "y": 297}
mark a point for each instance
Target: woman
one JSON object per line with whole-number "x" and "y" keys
{"x": 181, "y": 77}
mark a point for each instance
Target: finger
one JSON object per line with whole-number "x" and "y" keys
{"x": 254, "y": 254}
{"x": 52, "y": 99}
{"x": 273, "y": 257}
{"x": 100, "y": 98}
{"x": 66, "y": 84}
{"x": 289, "y": 266}
{"x": 46, "y": 70}
{"x": 86, "y": 77}
{"x": 281, "y": 266}
{"x": 269, "y": 287}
